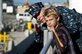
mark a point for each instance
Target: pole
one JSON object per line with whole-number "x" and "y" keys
{"x": 45, "y": 37}
{"x": 1, "y": 25}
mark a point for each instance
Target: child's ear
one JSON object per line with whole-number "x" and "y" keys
{"x": 58, "y": 18}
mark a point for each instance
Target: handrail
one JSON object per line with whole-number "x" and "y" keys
{"x": 45, "y": 48}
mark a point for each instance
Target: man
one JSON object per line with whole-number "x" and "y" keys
{"x": 72, "y": 21}
{"x": 70, "y": 18}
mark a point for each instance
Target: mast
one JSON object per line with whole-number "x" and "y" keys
{"x": 1, "y": 25}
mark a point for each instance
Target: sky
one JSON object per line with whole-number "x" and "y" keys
{"x": 19, "y": 2}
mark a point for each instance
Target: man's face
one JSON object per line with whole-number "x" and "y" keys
{"x": 51, "y": 21}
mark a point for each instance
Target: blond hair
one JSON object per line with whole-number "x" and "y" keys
{"x": 51, "y": 11}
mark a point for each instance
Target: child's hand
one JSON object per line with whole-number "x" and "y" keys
{"x": 50, "y": 28}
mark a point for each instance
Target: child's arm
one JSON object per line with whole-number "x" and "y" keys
{"x": 58, "y": 40}
{"x": 61, "y": 41}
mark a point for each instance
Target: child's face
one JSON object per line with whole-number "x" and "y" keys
{"x": 51, "y": 21}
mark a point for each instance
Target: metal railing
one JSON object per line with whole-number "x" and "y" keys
{"x": 46, "y": 47}
{"x": 48, "y": 40}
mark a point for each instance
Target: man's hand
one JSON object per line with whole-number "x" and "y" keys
{"x": 40, "y": 17}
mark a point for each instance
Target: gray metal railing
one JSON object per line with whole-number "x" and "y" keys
{"x": 48, "y": 40}
{"x": 46, "y": 47}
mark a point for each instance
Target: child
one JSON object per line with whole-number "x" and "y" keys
{"x": 62, "y": 38}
